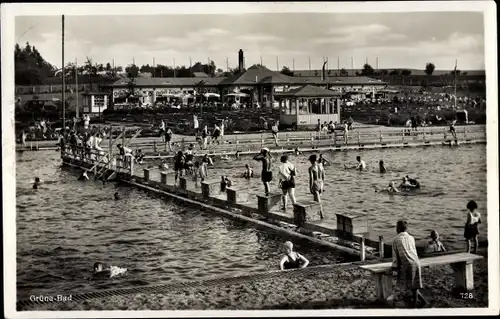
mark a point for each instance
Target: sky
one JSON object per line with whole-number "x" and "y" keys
{"x": 399, "y": 40}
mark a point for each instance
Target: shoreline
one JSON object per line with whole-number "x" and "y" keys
{"x": 346, "y": 287}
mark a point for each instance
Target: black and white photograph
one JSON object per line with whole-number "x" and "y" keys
{"x": 250, "y": 159}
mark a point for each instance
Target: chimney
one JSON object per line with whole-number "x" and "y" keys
{"x": 240, "y": 61}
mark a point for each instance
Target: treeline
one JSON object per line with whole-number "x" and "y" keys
{"x": 30, "y": 67}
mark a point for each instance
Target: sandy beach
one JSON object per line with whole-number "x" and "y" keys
{"x": 346, "y": 287}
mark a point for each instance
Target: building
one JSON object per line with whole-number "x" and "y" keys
{"x": 258, "y": 83}
{"x": 94, "y": 103}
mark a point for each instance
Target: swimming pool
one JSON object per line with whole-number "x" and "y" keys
{"x": 449, "y": 178}
{"x": 67, "y": 225}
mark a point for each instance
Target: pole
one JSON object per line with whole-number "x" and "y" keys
{"x": 63, "y": 77}
{"x": 227, "y": 64}
{"x": 174, "y": 67}
{"x": 76, "y": 83}
{"x": 114, "y": 69}
{"x": 293, "y": 65}
{"x": 352, "y": 65}
{"x": 309, "y": 63}
{"x": 133, "y": 61}
{"x": 261, "y": 61}
{"x": 455, "y": 84}
{"x": 377, "y": 64}
{"x": 338, "y": 65}
{"x": 277, "y": 64}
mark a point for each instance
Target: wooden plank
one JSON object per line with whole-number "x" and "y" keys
{"x": 428, "y": 261}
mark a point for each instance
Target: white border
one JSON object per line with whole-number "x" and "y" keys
{"x": 8, "y": 13}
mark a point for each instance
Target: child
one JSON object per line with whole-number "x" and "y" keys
{"x": 36, "y": 183}
{"x": 197, "y": 173}
{"x": 248, "y": 172}
{"x": 224, "y": 183}
{"x": 435, "y": 245}
{"x": 471, "y": 231}
{"x": 139, "y": 157}
{"x": 382, "y": 167}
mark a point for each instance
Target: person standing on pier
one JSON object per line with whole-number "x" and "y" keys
{"x": 274, "y": 131}
{"x": 216, "y": 134}
{"x": 287, "y": 173}
{"x": 196, "y": 124}
{"x": 471, "y": 232}
{"x": 346, "y": 132}
{"x": 267, "y": 175}
{"x": 452, "y": 130}
{"x": 162, "y": 128}
{"x": 222, "y": 126}
{"x": 316, "y": 180}
{"x": 406, "y": 263}
{"x": 168, "y": 138}
{"x": 178, "y": 165}
{"x": 126, "y": 154}
{"x": 204, "y": 136}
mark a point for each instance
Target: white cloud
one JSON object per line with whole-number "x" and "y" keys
{"x": 259, "y": 38}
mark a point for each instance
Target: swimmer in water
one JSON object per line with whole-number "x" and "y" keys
{"x": 392, "y": 188}
{"x": 248, "y": 172}
{"x": 116, "y": 196}
{"x": 36, "y": 183}
{"x": 101, "y": 271}
{"x": 225, "y": 157}
{"x": 292, "y": 259}
{"x": 139, "y": 157}
{"x": 208, "y": 159}
{"x": 84, "y": 176}
{"x": 323, "y": 161}
{"x": 237, "y": 154}
{"x": 224, "y": 183}
{"x": 297, "y": 152}
{"x": 409, "y": 183}
{"x": 382, "y": 166}
{"x": 361, "y": 164}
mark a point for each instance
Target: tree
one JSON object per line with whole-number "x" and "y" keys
{"x": 286, "y": 71}
{"x": 367, "y": 70}
{"x": 457, "y": 72}
{"x": 429, "y": 68}
{"x": 406, "y": 72}
{"x": 130, "y": 85}
{"x": 91, "y": 70}
{"x": 132, "y": 71}
{"x": 343, "y": 72}
{"x": 395, "y": 72}
{"x": 30, "y": 67}
{"x": 108, "y": 66}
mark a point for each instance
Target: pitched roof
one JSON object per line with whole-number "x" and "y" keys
{"x": 168, "y": 82}
{"x": 200, "y": 75}
{"x": 258, "y": 74}
{"x": 310, "y": 91}
{"x": 338, "y": 80}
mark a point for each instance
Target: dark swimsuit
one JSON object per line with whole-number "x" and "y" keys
{"x": 292, "y": 264}
{"x": 267, "y": 174}
{"x": 179, "y": 163}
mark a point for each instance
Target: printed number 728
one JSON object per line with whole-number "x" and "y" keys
{"x": 466, "y": 295}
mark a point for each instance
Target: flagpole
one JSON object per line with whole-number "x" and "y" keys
{"x": 190, "y": 67}
{"x": 293, "y": 65}
{"x": 63, "y": 77}
{"x": 309, "y": 63}
{"x": 174, "y": 68}
{"x": 76, "y": 82}
{"x": 227, "y": 64}
{"x": 338, "y": 65}
{"x": 455, "y": 84}
{"x": 261, "y": 61}
{"x": 352, "y": 65}
{"x": 277, "y": 64}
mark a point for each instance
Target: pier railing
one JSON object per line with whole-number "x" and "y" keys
{"x": 97, "y": 161}
{"x": 337, "y": 138}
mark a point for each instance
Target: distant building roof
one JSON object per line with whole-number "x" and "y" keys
{"x": 310, "y": 91}
{"x": 168, "y": 82}
{"x": 200, "y": 75}
{"x": 257, "y": 74}
{"x": 339, "y": 80}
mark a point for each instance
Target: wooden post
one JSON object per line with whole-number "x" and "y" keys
{"x": 381, "y": 246}
{"x": 132, "y": 167}
{"x": 403, "y": 136}
{"x": 362, "y": 249}
{"x": 287, "y": 138}
{"x": 465, "y": 133}
{"x": 146, "y": 174}
{"x": 110, "y": 143}
{"x": 380, "y": 137}
{"x": 236, "y": 139}
{"x": 384, "y": 286}
{"x": 464, "y": 275}
{"x": 335, "y": 138}
{"x": 163, "y": 178}
{"x": 154, "y": 146}
{"x": 359, "y": 142}
{"x": 423, "y": 134}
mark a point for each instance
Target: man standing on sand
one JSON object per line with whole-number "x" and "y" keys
{"x": 196, "y": 125}
{"x": 406, "y": 263}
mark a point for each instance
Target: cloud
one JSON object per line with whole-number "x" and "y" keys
{"x": 259, "y": 38}
{"x": 360, "y": 30}
{"x": 360, "y": 35}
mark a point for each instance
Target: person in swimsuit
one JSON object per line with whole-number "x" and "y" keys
{"x": 297, "y": 152}
{"x": 36, "y": 184}
{"x": 189, "y": 157}
{"x": 471, "y": 232}
{"x": 204, "y": 136}
{"x": 409, "y": 183}
{"x": 116, "y": 196}
{"x": 287, "y": 174}
{"x": 292, "y": 259}
{"x": 248, "y": 172}
{"x": 168, "y": 138}
{"x": 162, "y": 128}
{"x": 323, "y": 161}
{"x": 208, "y": 159}
{"x": 179, "y": 165}
{"x": 413, "y": 182}
{"x": 435, "y": 245}
{"x": 224, "y": 183}
{"x": 452, "y": 129}
{"x": 316, "y": 178}
{"x": 216, "y": 134}
{"x": 203, "y": 170}
{"x": 392, "y": 188}
{"x": 382, "y": 166}
{"x": 267, "y": 175}
{"x": 139, "y": 156}
{"x": 274, "y": 130}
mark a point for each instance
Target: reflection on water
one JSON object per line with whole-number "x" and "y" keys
{"x": 67, "y": 225}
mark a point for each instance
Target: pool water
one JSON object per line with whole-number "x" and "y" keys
{"x": 66, "y": 225}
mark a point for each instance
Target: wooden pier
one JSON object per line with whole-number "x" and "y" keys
{"x": 345, "y": 231}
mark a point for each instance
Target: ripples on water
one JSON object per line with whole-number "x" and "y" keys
{"x": 449, "y": 178}
{"x": 67, "y": 225}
